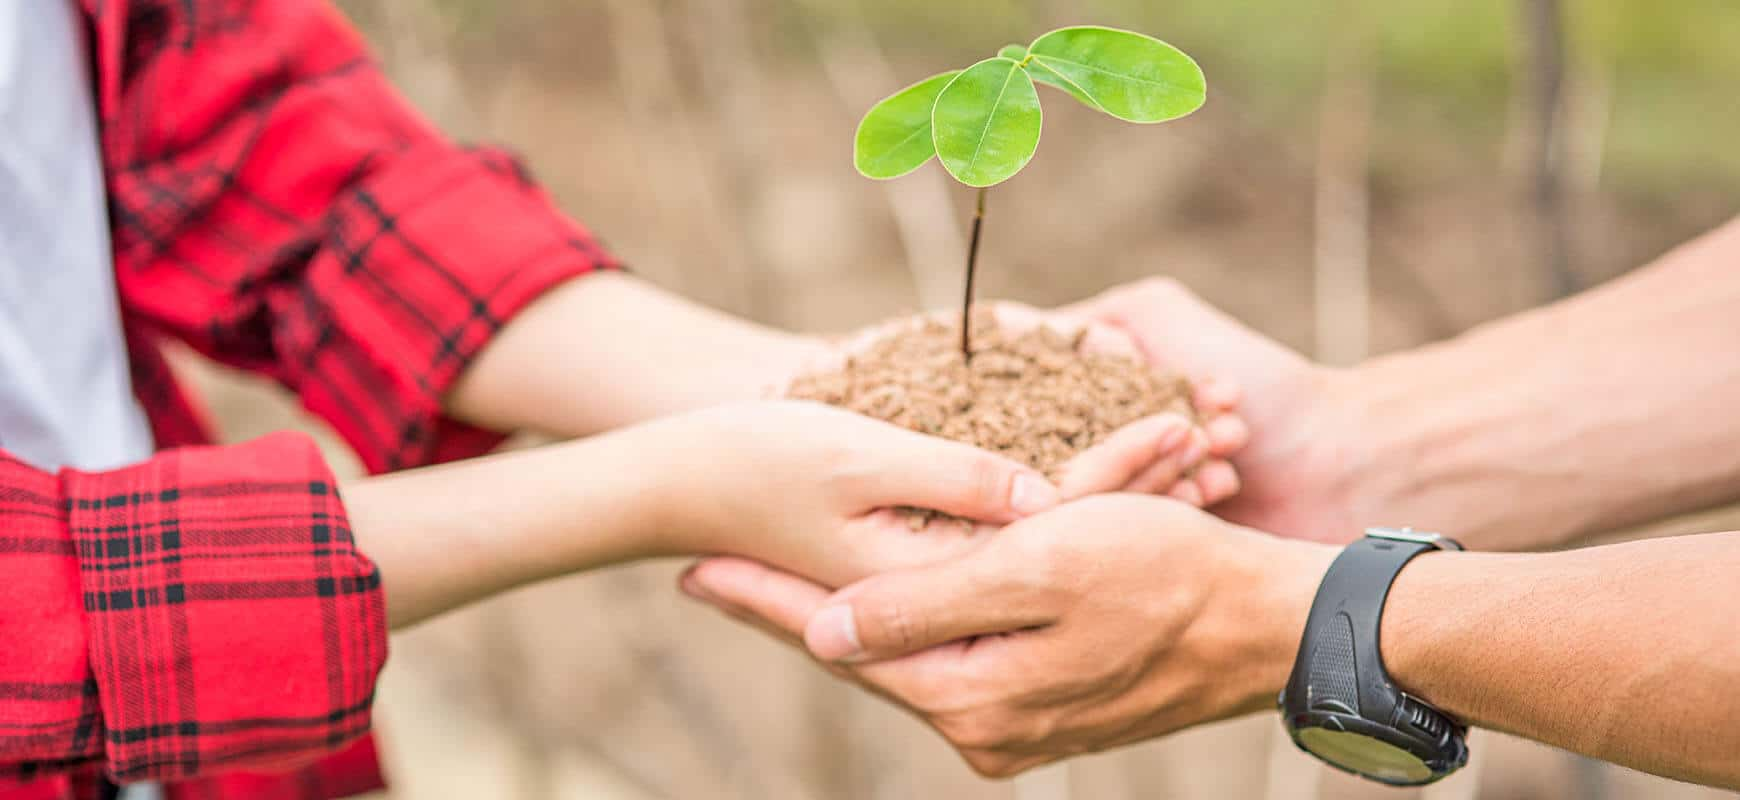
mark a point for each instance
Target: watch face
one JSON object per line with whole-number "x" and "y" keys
{"x": 1364, "y": 755}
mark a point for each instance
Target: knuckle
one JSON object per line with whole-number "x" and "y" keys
{"x": 836, "y": 463}
{"x": 982, "y": 729}
{"x": 894, "y": 626}
{"x": 985, "y": 479}
{"x": 970, "y": 731}
{"x": 1041, "y": 553}
{"x": 991, "y": 764}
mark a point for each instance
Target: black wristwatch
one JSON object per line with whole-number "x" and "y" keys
{"x": 1340, "y": 704}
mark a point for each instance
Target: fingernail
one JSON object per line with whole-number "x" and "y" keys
{"x": 1032, "y": 494}
{"x": 832, "y": 634}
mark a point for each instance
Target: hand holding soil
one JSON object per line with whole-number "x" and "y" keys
{"x": 1030, "y": 387}
{"x": 1072, "y": 399}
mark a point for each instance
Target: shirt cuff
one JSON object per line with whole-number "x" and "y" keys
{"x": 232, "y": 622}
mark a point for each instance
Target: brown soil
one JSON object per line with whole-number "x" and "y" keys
{"x": 1034, "y": 396}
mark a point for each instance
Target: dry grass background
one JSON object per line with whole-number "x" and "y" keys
{"x": 707, "y": 141}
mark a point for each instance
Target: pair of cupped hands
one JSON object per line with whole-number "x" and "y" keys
{"x": 1064, "y": 618}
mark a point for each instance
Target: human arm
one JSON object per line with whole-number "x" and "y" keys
{"x": 804, "y": 486}
{"x": 628, "y": 352}
{"x": 1625, "y": 652}
{"x": 1610, "y": 408}
{"x": 213, "y": 608}
{"x": 280, "y": 207}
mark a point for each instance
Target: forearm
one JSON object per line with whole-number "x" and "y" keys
{"x": 1611, "y": 408}
{"x": 608, "y": 350}
{"x": 1627, "y": 653}
{"x": 446, "y": 536}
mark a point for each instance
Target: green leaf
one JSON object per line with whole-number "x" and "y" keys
{"x": 1127, "y": 75}
{"x": 1043, "y": 74}
{"x": 987, "y": 122}
{"x": 894, "y": 138}
{"x": 1013, "y": 52}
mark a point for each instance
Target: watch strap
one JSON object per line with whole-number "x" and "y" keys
{"x": 1340, "y": 666}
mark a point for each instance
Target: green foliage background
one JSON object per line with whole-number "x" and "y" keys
{"x": 1444, "y": 66}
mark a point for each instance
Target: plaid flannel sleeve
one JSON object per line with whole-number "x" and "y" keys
{"x": 278, "y": 205}
{"x": 199, "y": 612}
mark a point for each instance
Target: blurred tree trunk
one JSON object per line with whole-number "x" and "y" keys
{"x": 924, "y": 213}
{"x": 735, "y": 94}
{"x": 1342, "y": 206}
{"x": 670, "y": 151}
{"x": 1541, "y": 42}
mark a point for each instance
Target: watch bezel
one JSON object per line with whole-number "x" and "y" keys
{"x": 1429, "y": 751}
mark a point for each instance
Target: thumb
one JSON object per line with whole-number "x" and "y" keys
{"x": 913, "y": 469}
{"x": 899, "y": 613}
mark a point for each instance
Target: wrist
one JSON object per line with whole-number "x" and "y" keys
{"x": 683, "y": 472}
{"x": 1423, "y": 643}
{"x": 1270, "y": 585}
{"x": 447, "y": 535}
{"x": 1408, "y": 442}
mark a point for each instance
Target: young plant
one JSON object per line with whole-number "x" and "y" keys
{"x": 983, "y": 122}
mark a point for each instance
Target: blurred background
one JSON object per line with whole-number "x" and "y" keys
{"x": 1366, "y": 176}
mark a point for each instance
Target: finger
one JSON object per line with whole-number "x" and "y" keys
{"x": 1187, "y": 492}
{"x": 1095, "y": 337}
{"x": 1162, "y": 475}
{"x": 1103, "y": 339}
{"x": 1214, "y": 396}
{"x": 1177, "y": 329}
{"x": 1227, "y": 434}
{"x": 912, "y": 469}
{"x": 780, "y": 602}
{"x": 1019, "y": 318}
{"x": 1217, "y": 480}
{"x": 1162, "y": 440}
{"x": 898, "y": 613}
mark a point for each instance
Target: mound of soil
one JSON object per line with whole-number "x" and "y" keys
{"x": 1034, "y": 396}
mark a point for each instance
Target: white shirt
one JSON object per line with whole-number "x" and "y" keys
{"x": 66, "y": 398}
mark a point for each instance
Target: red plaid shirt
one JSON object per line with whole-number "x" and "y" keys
{"x": 276, "y": 205}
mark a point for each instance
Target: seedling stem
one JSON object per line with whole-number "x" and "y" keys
{"x": 972, "y": 268}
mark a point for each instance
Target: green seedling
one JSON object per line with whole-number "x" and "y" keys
{"x": 983, "y": 122}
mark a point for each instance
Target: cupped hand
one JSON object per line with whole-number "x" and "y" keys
{"x": 815, "y": 489}
{"x": 1161, "y": 454}
{"x": 812, "y": 488}
{"x": 1295, "y": 473}
{"x": 1149, "y": 456}
{"x": 1103, "y": 622}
